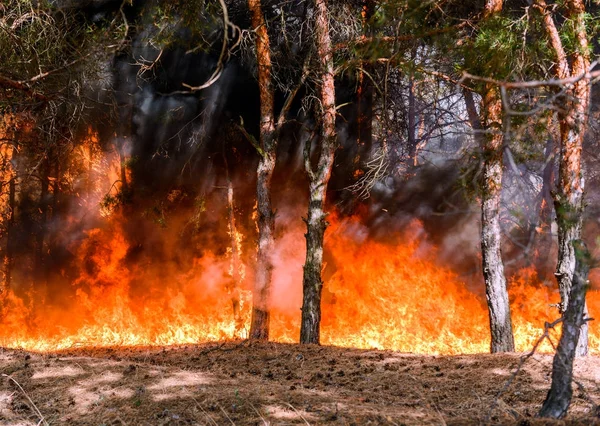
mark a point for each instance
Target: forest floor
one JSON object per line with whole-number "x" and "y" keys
{"x": 245, "y": 383}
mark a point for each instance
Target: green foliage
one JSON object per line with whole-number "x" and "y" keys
{"x": 568, "y": 32}
{"x": 186, "y": 24}
{"x": 157, "y": 213}
{"x": 505, "y": 48}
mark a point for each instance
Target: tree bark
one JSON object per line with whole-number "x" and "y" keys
{"x": 365, "y": 88}
{"x": 10, "y": 226}
{"x": 493, "y": 269}
{"x": 40, "y": 252}
{"x": 573, "y": 117}
{"x": 543, "y": 222}
{"x": 236, "y": 268}
{"x": 559, "y": 396}
{"x": 259, "y": 328}
{"x": 312, "y": 282}
{"x": 125, "y": 188}
{"x": 502, "y": 339}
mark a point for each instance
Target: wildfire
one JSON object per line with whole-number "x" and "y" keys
{"x": 376, "y": 295}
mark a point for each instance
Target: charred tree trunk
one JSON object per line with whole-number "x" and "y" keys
{"x": 10, "y": 226}
{"x": 502, "y": 339}
{"x": 312, "y": 282}
{"x": 259, "y": 328}
{"x": 125, "y": 188}
{"x": 40, "y": 252}
{"x": 559, "y": 396}
{"x": 236, "y": 268}
{"x": 493, "y": 269}
{"x": 573, "y": 117}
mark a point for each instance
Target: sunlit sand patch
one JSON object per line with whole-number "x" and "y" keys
{"x": 85, "y": 397}
{"x": 178, "y": 385}
{"x": 57, "y": 372}
{"x": 5, "y": 400}
{"x": 105, "y": 377}
{"x": 501, "y": 372}
{"x": 288, "y": 413}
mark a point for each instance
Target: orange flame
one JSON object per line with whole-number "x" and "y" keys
{"x": 380, "y": 296}
{"x": 376, "y": 295}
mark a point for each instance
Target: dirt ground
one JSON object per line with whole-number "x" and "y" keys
{"x": 245, "y": 383}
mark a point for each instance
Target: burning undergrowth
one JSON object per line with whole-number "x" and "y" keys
{"x": 135, "y": 240}
{"x": 178, "y": 269}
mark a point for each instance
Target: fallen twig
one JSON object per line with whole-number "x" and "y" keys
{"x": 298, "y": 412}
{"x": 524, "y": 358}
{"x": 42, "y": 419}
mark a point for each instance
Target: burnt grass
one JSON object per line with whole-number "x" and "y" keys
{"x": 245, "y": 383}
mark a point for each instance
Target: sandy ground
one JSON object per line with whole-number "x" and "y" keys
{"x": 246, "y": 384}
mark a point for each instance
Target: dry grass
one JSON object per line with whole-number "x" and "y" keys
{"x": 260, "y": 384}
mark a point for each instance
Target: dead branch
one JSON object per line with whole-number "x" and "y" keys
{"x": 556, "y": 82}
{"x": 524, "y": 358}
{"x": 34, "y": 407}
{"x": 227, "y": 25}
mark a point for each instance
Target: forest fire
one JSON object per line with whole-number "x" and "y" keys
{"x": 255, "y": 178}
{"x": 376, "y": 296}
{"x": 390, "y": 295}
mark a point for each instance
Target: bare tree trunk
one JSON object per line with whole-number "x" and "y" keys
{"x": 40, "y": 254}
{"x": 312, "y": 282}
{"x": 502, "y": 339}
{"x": 10, "y": 226}
{"x": 259, "y": 328}
{"x": 236, "y": 270}
{"x": 559, "y": 396}
{"x": 364, "y": 93}
{"x": 493, "y": 268}
{"x": 573, "y": 118}
{"x": 543, "y": 222}
{"x": 125, "y": 189}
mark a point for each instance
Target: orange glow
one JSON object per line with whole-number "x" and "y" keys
{"x": 376, "y": 295}
{"x": 380, "y": 296}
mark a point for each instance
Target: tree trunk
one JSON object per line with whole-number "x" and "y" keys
{"x": 543, "y": 223}
{"x": 365, "y": 89}
{"x": 10, "y": 245}
{"x": 40, "y": 254}
{"x": 259, "y": 328}
{"x": 493, "y": 269}
{"x": 559, "y": 396}
{"x": 573, "y": 116}
{"x": 236, "y": 268}
{"x": 264, "y": 268}
{"x": 125, "y": 189}
{"x": 502, "y": 339}
{"x": 315, "y": 222}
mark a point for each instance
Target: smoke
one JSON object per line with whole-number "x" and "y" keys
{"x": 163, "y": 246}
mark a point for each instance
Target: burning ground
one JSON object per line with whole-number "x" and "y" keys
{"x": 256, "y": 383}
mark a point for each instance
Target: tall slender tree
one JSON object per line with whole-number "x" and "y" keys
{"x": 573, "y": 113}
{"x": 259, "y": 328}
{"x": 559, "y": 396}
{"x": 316, "y": 224}
{"x": 270, "y": 129}
{"x": 489, "y": 133}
